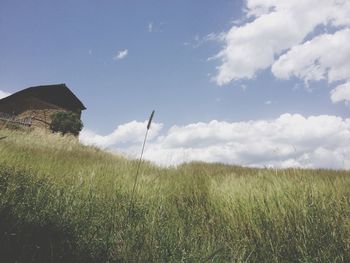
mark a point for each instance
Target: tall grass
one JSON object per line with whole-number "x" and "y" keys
{"x": 64, "y": 202}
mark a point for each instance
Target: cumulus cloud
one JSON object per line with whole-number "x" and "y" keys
{"x": 121, "y": 54}
{"x": 324, "y": 57}
{"x": 4, "y": 94}
{"x": 320, "y": 58}
{"x": 290, "y": 140}
{"x": 342, "y": 92}
{"x": 276, "y": 34}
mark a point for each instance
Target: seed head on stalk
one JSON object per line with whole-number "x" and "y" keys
{"x": 140, "y": 161}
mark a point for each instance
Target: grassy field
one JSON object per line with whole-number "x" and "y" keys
{"x": 64, "y": 202}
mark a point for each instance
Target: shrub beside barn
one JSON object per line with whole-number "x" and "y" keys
{"x": 35, "y": 106}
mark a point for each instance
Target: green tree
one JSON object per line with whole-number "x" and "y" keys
{"x": 66, "y": 122}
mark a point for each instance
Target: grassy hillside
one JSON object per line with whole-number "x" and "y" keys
{"x": 64, "y": 202}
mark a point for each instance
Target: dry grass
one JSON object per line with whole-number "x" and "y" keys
{"x": 64, "y": 202}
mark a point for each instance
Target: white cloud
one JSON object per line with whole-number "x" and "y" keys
{"x": 324, "y": 57}
{"x": 132, "y": 132}
{"x": 155, "y": 27}
{"x": 279, "y": 26}
{"x": 4, "y": 94}
{"x": 150, "y": 27}
{"x": 199, "y": 41}
{"x": 342, "y": 92}
{"x": 290, "y": 140}
{"x": 121, "y": 54}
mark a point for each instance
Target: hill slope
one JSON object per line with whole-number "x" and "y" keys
{"x": 64, "y": 202}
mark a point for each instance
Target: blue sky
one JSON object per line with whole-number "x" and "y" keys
{"x": 51, "y": 41}
{"x": 169, "y": 62}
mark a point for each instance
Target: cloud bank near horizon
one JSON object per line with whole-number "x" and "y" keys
{"x": 4, "y": 94}
{"x": 303, "y": 39}
{"x": 291, "y": 140}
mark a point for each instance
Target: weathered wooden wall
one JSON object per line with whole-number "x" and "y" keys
{"x": 39, "y": 111}
{"x": 40, "y": 118}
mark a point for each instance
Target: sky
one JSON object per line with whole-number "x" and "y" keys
{"x": 253, "y": 82}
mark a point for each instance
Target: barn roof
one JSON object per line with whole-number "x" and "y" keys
{"x": 58, "y": 94}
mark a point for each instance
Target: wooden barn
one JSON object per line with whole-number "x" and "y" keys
{"x": 34, "y": 106}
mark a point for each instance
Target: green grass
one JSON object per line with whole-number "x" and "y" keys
{"x": 64, "y": 202}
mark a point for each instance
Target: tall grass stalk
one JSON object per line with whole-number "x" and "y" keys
{"x": 140, "y": 161}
